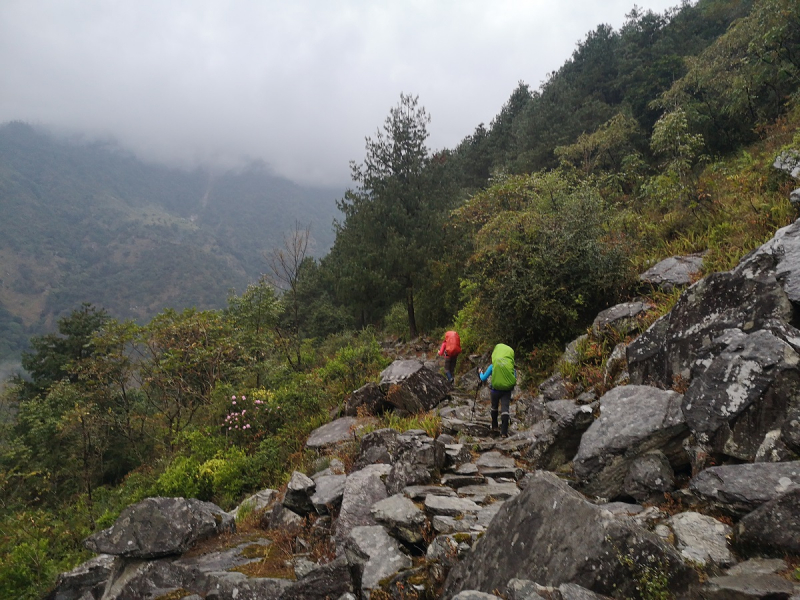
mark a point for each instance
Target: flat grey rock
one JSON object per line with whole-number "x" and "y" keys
{"x": 758, "y": 566}
{"x": 420, "y": 492}
{"x": 467, "y": 469}
{"x": 675, "y": 271}
{"x": 442, "y": 524}
{"x": 730, "y": 587}
{"x": 622, "y": 318}
{"x": 496, "y": 491}
{"x": 455, "y": 480}
{"x": 494, "y": 460}
{"x": 449, "y": 507}
{"x": 258, "y": 501}
{"x": 331, "y": 434}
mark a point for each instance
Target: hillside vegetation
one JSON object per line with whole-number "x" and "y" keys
{"x": 89, "y": 223}
{"x": 654, "y": 140}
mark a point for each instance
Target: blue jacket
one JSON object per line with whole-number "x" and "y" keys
{"x": 488, "y": 373}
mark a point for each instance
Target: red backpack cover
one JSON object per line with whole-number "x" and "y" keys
{"x": 452, "y": 343}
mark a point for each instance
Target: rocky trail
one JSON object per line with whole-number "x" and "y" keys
{"x": 680, "y": 481}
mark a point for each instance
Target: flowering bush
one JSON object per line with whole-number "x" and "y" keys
{"x": 250, "y": 418}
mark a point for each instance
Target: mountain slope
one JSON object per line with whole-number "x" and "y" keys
{"x": 90, "y": 223}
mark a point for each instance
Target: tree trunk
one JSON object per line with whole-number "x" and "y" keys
{"x": 412, "y": 321}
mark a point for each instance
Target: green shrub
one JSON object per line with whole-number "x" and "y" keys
{"x": 353, "y": 364}
{"x": 182, "y": 479}
{"x": 395, "y": 321}
{"x": 545, "y": 270}
{"x": 475, "y": 322}
{"x": 230, "y": 476}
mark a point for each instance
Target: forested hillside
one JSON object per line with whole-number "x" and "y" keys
{"x": 86, "y": 222}
{"x": 655, "y": 140}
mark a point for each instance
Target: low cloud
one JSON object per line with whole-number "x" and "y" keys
{"x": 298, "y": 85}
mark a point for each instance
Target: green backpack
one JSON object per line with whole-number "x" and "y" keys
{"x": 503, "y": 376}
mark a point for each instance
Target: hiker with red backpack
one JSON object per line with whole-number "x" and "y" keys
{"x": 451, "y": 348}
{"x": 504, "y": 378}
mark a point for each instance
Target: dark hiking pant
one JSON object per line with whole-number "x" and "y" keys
{"x": 501, "y": 399}
{"x": 450, "y": 366}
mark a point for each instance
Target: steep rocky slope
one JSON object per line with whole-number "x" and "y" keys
{"x": 681, "y": 481}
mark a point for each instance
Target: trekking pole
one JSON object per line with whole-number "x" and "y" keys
{"x": 477, "y": 389}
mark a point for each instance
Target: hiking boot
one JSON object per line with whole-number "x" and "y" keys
{"x": 494, "y": 420}
{"x": 504, "y": 427}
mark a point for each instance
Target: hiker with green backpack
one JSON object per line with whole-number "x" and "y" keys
{"x": 504, "y": 378}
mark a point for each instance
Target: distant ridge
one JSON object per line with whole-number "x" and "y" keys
{"x": 89, "y": 222}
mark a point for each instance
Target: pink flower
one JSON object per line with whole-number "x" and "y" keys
{"x": 234, "y": 401}
{"x": 233, "y": 397}
{"x": 244, "y": 397}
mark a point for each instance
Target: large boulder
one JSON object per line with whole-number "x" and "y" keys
{"x": 740, "y": 489}
{"x": 404, "y": 474}
{"x": 88, "y": 577}
{"x": 523, "y": 589}
{"x": 134, "y": 578}
{"x": 368, "y": 398}
{"x": 739, "y": 396}
{"x": 649, "y": 476}
{"x": 410, "y": 386}
{"x": 159, "y": 526}
{"x": 779, "y": 257}
{"x": 665, "y": 354}
{"x": 552, "y": 535}
{"x": 379, "y": 446}
{"x": 773, "y": 529}
{"x": 633, "y": 420}
{"x": 557, "y": 438}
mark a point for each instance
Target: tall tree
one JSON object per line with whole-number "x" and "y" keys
{"x": 393, "y": 216}
{"x": 53, "y": 354}
{"x": 284, "y": 263}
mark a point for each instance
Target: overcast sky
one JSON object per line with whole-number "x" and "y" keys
{"x": 296, "y": 83}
